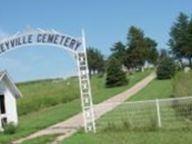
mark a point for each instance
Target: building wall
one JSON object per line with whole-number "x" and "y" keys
{"x": 11, "y": 108}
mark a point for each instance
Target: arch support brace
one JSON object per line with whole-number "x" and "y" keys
{"x": 85, "y": 89}
{"x": 86, "y": 97}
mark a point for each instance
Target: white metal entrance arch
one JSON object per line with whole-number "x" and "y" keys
{"x": 77, "y": 46}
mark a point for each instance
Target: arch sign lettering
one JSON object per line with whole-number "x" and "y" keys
{"x": 40, "y": 37}
{"x": 75, "y": 45}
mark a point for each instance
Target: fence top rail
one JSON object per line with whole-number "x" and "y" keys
{"x": 150, "y": 101}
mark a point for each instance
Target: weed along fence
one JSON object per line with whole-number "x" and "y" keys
{"x": 170, "y": 113}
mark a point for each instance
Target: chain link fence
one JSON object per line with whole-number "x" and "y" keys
{"x": 169, "y": 114}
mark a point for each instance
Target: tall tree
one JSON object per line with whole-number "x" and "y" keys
{"x": 135, "y": 53}
{"x": 139, "y": 49}
{"x": 151, "y": 50}
{"x": 189, "y": 37}
{"x": 96, "y": 60}
{"x": 119, "y": 51}
{"x": 181, "y": 37}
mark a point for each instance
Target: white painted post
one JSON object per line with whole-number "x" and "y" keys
{"x": 158, "y": 113}
{"x": 85, "y": 88}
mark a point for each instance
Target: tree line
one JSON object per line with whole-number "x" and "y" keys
{"x": 140, "y": 49}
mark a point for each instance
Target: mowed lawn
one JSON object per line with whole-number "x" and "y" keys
{"x": 156, "y": 89}
{"x": 34, "y": 117}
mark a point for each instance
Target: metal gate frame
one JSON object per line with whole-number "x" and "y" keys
{"x": 82, "y": 65}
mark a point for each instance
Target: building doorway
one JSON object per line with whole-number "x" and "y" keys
{"x": 2, "y": 104}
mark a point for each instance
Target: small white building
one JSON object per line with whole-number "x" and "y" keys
{"x": 8, "y": 95}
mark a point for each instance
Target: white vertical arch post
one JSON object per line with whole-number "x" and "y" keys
{"x": 85, "y": 88}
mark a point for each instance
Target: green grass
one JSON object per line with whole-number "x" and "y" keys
{"x": 40, "y": 140}
{"x": 45, "y": 93}
{"x": 182, "y": 84}
{"x": 48, "y": 114}
{"x": 100, "y": 93}
{"x": 129, "y": 115}
{"x": 156, "y": 89}
{"x": 126, "y": 137}
{"x": 42, "y": 119}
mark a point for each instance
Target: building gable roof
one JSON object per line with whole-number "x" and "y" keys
{"x": 4, "y": 76}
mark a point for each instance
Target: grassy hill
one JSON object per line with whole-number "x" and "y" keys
{"x": 182, "y": 84}
{"x": 179, "y": 86}
{"x": 41, "y": 94}
{"x": 156, "y": 89}
{"x": 46, "y": 93}
{"x": 51, "y": 101}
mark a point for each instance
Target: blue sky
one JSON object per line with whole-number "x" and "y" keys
{"x": 105, "y": 22}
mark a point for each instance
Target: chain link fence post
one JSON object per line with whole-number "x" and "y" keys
{"x": 158, "y": 114}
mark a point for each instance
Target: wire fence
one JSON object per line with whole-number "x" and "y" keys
{"x": 170, "y": 113}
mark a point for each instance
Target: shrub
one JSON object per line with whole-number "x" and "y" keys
{"x": 115, "y": 75}
{"x": 9, "y": 128}
{"x": 166, "y": 68}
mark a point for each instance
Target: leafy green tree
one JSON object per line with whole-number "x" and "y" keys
{"x": 96, "y": 60}
{"x": 181, "y": 38}
{"x": 115, "y": 75}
